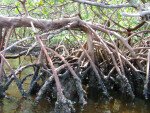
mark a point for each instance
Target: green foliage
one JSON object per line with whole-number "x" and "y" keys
{"x": 51, "y": 2}
{"x": 46, "y": 9}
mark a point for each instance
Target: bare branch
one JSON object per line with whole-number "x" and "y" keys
{"x": 39, "y": 23}
{"x": 6, "y": 43}
{"x": 24, "y": 7}
{"x": 58, "y": 85}
{"x": 147, "y": 76}
{"x": 138, "y": 14}
{"x": 103, "y": 5}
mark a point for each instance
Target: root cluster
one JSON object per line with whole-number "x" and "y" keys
{"x": 108, "y": 66}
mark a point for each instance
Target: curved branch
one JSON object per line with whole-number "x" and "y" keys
{"x": 137, "y": 33}
{"x": 136, "y": 27}
{"x": 24, "y": 7}
{"x": 142, "y": 13}
{"x": 39, "y": 23}
{"x": 104, "y": 5}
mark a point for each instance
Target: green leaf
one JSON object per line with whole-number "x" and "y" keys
{"x": 44, "y": 1}
{"x": 51, "y": 2}
{"x": 44, "y": 11}
{"x": 17, "y": 3}
{"x": 20, "y": 8}
{"x": 16, "y": 10}
{"x": 61, "y": 1}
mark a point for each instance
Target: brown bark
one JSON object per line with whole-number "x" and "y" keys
{"x": 39, "y": 23}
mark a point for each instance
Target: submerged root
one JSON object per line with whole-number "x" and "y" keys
{"x": 81, "y": 93}
{"x": 63, "y": 105}
{"x": 99, "y": 65}
{"x": 43, "y": 89}
{"x": 126, "y": 86}
{"x": 76, "y": 81}
{"x": 2, "y": 94}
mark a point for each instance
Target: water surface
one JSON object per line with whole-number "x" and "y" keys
{"x": 96, "y": 104}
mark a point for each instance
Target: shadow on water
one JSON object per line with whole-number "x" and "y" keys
{"x": 96, "y": 103}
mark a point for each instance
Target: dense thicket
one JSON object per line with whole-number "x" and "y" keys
{"x": 79, "y": 44}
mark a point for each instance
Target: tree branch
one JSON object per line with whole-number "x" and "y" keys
{"x": 39, "y": 23}
{"x": 141, "y": 13}
{"x": 24, "y": 7}
{"x": 103, "y": 5}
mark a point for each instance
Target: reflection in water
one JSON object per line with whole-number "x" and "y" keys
{"x": 24, "y": 106}
{"x": 118, "y": 105}
{"x": 99, "y": 106}
{"x": 1, "y": 106}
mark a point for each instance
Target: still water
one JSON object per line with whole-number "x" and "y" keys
{"x": 95, "y": 103}
{"x": 118, "y": 106}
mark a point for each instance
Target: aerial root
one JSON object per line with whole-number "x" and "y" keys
{"x": 127, "y": 86}
{"x": 102, "y": 68}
